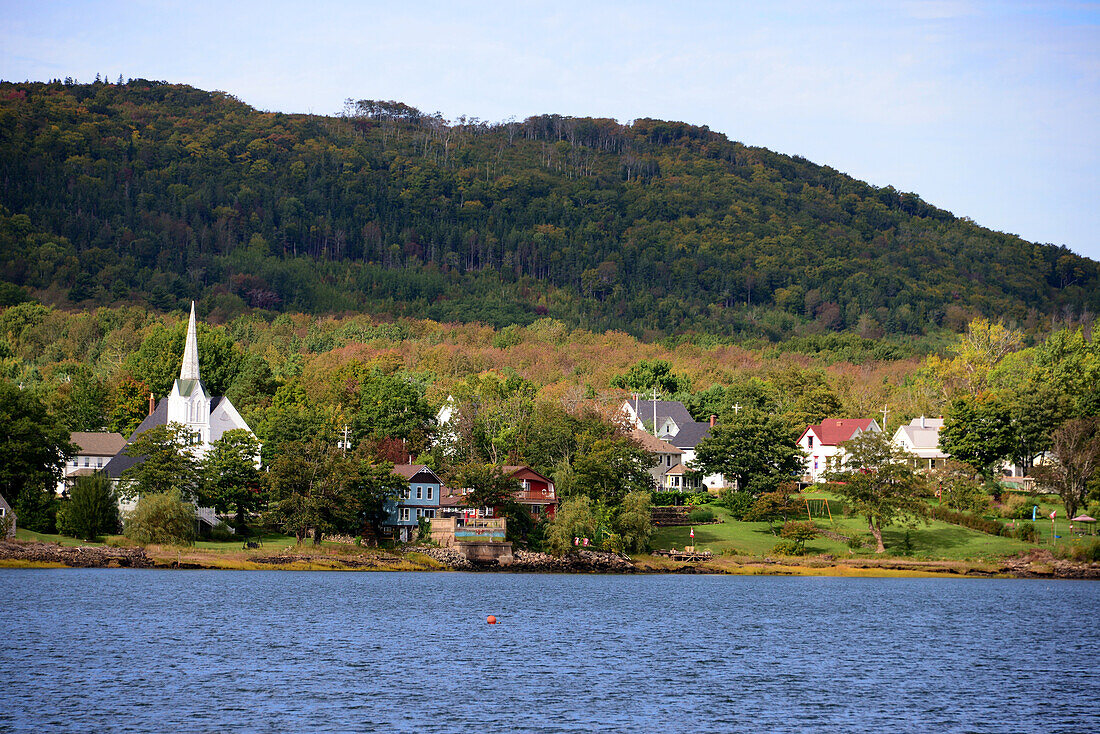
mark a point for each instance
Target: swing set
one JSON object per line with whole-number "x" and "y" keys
{"x": 820, "y": 505}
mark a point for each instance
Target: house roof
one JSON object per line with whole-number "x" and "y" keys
{"x": 652, "y": 444}
{"x": 835, "y": 431}
{"x": 690, "y": 435}
{"x": 97, "y": 443}
{"x": 512, "y": 470}
{"x": 673, "y": 409}
{"x": 921, "y": 438}
{"x": 121, "y": 462}
{"x": 678, "y": 469}
{"x": 411, "y": 470}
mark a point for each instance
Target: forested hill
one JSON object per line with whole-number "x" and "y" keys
{"x": 156, "y": 192}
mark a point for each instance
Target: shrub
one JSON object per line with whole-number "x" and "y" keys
{"x": 162, "y": 518}
{"x": 1082, "y": 553}
{"x": 698, "y": 498}
{"x": 1016, "y": 506}
{"x": 701, "y": 515}
{"x": 788, "y": 548}
{"x": 965, "y": 495}
{"x": 967, "y": 520}
{"x": 668, "y": 499}
{"x": 91, "y": 510}
{"x": 738, "y": 503}
{"x": 857, "y": 542}
{"x": 798, "y": 532}
{"x": 222, "y": 533}
{"x": 1027, "y": 533}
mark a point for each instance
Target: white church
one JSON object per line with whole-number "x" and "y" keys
{"x": 190, "y": 405}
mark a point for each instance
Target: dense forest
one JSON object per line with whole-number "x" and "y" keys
{"x": 153, "y": 194}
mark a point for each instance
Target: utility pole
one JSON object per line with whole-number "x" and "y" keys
{"x": 344, "y": 444}
{"x": 654, "y": 409}
{"x": 884, "y": 412}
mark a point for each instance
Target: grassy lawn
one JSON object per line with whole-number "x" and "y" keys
{"x": 937, "y": 540}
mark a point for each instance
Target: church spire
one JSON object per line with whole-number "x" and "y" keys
{"x": 190, "y": 368}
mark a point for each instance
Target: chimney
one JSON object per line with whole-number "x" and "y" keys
{"x": 713, "y": 418}
{"x": 152, "y": 403}
{"x": 922, "y": 421}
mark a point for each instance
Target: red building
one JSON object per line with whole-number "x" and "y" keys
{"x": 536, "y": 491}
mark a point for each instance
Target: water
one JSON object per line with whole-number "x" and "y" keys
{"x": 123, "y": 650}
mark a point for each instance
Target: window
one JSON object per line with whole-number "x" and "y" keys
{"x": 931, "y": 463}
{"x": 419, "y": 492}
{"x": 404, "y": 514}
{"x": 99, "y": 463}
{"x": 405, "y": 493}
{"x": 429, "y": 514}
{"x": 810, "y": 441}
{"x": 419, "y": 513}
{"x": 431, "y": 492}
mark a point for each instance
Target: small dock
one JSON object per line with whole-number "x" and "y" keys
{"x": 690, "y": 556}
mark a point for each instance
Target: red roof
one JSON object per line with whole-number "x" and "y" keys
{"x": 835, "y": 431}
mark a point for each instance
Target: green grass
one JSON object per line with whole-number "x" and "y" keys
{"x": 937, "y": 540}
{"x": 24, "y": 534}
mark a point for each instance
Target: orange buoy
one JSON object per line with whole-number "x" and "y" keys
{"x": 491, "y": 619}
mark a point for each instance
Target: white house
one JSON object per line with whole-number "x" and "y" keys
{"x": 674, "y": 426}
{"x": 190, "y": 404}
{"x": 94, "y": 450}
{"x": 821, "y": 443}
{"x": 921, "y": 438}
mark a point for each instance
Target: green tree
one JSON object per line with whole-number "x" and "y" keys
{"x": 162, "y": 517}
{"x": 308, "y": 486}
{"x": 91, "y": 510}
{"x": 633, "y": 522}
{"x": 157, "y": 360}
{"x": 393, "y": 407}
{"x": 1036, "y": 412}
{"x": 648, "y": 374}
{"x": 878, "y": 483}
{"x": 799, "y": 532}
{"x": 608, "y": 467}
{"x": 978, "y": 431}
{"x": 489, "y": 485}
{"x": 1069, "y": 362}
{"x": 775, "y": 507}
{"x": 756, "y": 450}
{"x": 373, "y": 488}
{"x": 166, "y": 463}
{"x": 129, "y": 401}
{"x": 231, "y": 479}
{"x": 577, "y": 517}
{"x": 35, "y": 447}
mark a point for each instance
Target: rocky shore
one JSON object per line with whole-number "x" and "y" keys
{"x": 1034, "y": 565}
{"x": 80, "y": 556}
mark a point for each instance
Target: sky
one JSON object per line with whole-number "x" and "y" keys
{"x": 990, "y": 110}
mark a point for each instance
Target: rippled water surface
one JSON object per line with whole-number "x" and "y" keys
{"x": 123, "y": 650}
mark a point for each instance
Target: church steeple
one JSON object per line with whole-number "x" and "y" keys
{"x": 190, "y": 368}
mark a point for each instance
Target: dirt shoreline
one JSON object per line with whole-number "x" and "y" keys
{"x": 1039, "y": 564}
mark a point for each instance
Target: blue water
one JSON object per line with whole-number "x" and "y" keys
{"x": 206, "y": 651}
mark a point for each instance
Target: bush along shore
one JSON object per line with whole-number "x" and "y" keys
{"x": 36, "y": 554}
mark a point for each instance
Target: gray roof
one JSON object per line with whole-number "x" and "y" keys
{"x": 673, "y": 409}
{"x": 690, "y": 435}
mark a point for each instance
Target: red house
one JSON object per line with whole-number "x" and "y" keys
{"x": 536, "y": 492}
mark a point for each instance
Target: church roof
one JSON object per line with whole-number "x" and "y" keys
{"x": 121, "y": 462}
{"x": 189, "y": 370}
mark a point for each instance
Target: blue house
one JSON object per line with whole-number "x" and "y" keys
{"x": 419, "y": 500}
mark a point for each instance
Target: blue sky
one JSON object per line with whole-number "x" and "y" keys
{"x": 988, "y": 109}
